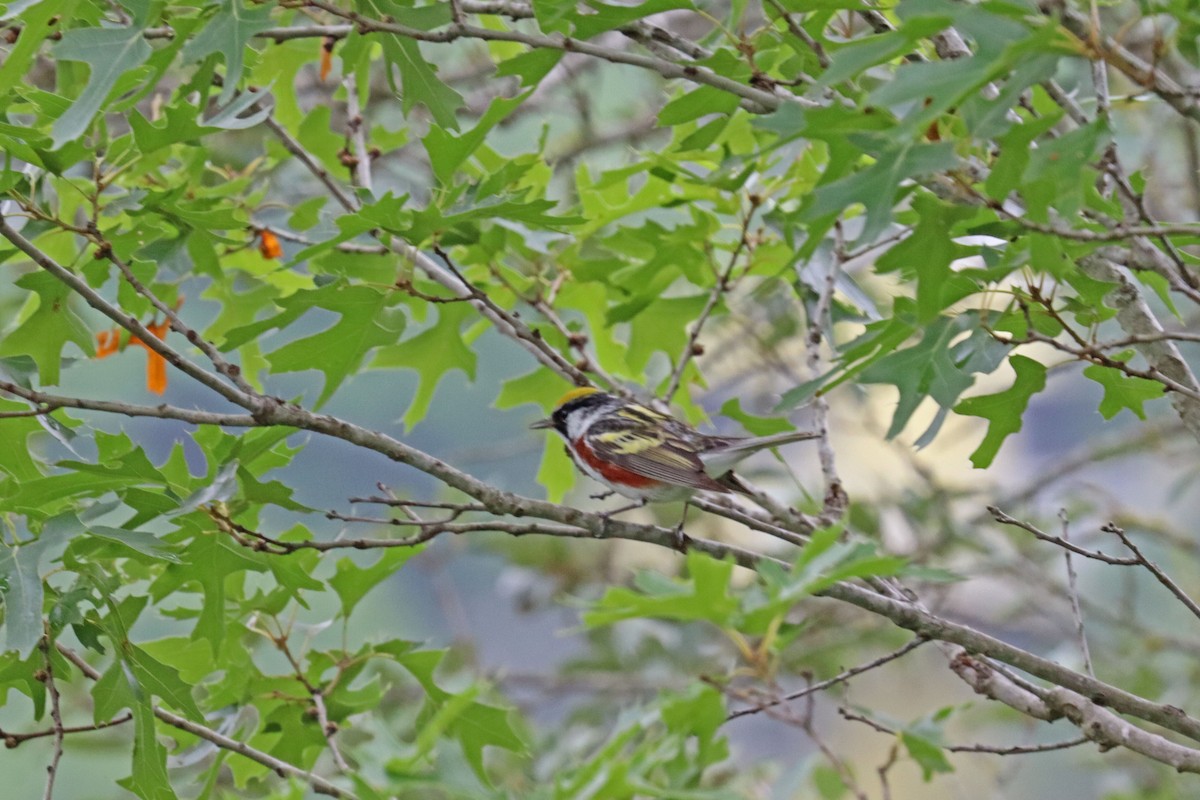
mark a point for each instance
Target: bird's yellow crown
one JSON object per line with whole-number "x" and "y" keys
{"x": 582, "y": 391}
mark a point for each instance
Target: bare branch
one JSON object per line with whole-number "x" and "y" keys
{"x": 1073, "y": 591}
{"x": 55, "y": 716}
{"x": 1005, "y": 519}
{"x": 230, "y": 371}
{"x": 800, "y": 33}
{"x": 835, "y": 501}
{"x": 12, "y": 740}
{"x": 356, "y": 127}
{"x": 1095, "y": 722}
{"x": 1014, "y": 750}
{"x": 1154, "y": 569}
{"x": 127, "y": 321}
{"x": 50, "y": 402}
{"x": 722, "y": 285}
{"x": 758, "y": 99}
{"x": 1135, "y": 68}
{"x": 841, "y": 677}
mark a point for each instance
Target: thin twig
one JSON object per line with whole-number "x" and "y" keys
{"x": 806, "y": 723}
{"x": 293, "y": 146}
{"x": 801, "y": 34}
{"x": 343, "y": 247}
{"x": 757, "y": 99}
{"x": 230, "y": 371}
{"x": 13, "y": 740}
{"x": 131, "y": 323}
{"x": 836, "y": 679}
{"x": 31, "y": 412}
{"x": 835, "y": 501}
{"x": 1005, "y": 519}
{"x": 506, "y": 324}
{"x": 55, "y": 716}
{"x": 1154, "y": 569}
{"x": 1073, "y": 592}
{"x": 1012, "y": 750}
{"x": 51, "y": 402}
{"x": 720, "y": 287}
{"x": 328, "y": 728}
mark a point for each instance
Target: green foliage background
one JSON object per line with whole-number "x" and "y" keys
{"x": 919, "y": 227}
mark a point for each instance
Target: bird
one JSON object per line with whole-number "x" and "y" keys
{"x": 648, "y": 456}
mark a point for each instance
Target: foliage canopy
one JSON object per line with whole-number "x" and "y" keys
{"x": 335, "y": 226}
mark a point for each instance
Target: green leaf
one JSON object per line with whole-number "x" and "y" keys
{"x": 928, "y": 755}
{"x": 44, "y": 332}
{"x": 877, "y": 186}
{"x": 759, "y": 426}
{"x": 222, "y": 487}
{"x": 432, "y": 353}
{"x": 419, "y": 82}
{"x": 447, "y": 151}
{"x": 928, "y": 253}
{"x": 352, "y": 582}
{"x": 705, "y": 595}
{"x": 474, "y": 724}
{"x": 229, "y": 33}
{"x": 365, "y": 322}
{"x": 39, "y": 20}
{"x": 146, "y": 544}
{"x": 531, "y": 66}
{"x": 927, "y": 369}
{"x": 210, "y": 561}
{"x": 21, "y": 588}
{"x": 16, "y": 455}
{"x": 110, "y": 52}
{"x": 115, "y": 690}
{"x": 1004, "y": 410}
{"x": 1123, "y": 391}
{"x": 603, "y": 17}
{"x": 697, "y": 103}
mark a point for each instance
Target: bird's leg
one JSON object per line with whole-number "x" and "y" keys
{"x": 606, "y": 515}
{"x": 602, "y": 495}
{"x": 681, "y": 538}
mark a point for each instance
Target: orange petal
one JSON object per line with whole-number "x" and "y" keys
{"x": 326, "y": 57}
{"x": 107, "y": 343}
{"x": 156, "y": 373}
{"x": 268, "y": 245}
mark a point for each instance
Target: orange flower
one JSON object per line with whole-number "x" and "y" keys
{"x": 156, "y": 366}
{"x": 268, "y": 244}
{"x": 109, "y": 342}
{"x": 326, "y": 56}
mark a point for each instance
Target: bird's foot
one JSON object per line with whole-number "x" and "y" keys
{"x": 682, "y": 540}
{"x": 607, "y": 515}
{"x": 602, "y": 495}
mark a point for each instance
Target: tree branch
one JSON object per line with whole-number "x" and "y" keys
{"x": 759, "y": 100}
{"x": 126, "y": 321}
{"x": 841, "y": 677}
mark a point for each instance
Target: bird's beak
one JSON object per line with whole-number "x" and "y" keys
{"x": 542, "y": 423}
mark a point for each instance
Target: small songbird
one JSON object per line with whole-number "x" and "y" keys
{"x": 646, "y": 455}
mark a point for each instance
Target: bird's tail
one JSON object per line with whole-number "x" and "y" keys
{"x": 731, "y": 451}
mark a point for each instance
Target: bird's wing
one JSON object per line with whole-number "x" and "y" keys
{"x": 636, "y": 439}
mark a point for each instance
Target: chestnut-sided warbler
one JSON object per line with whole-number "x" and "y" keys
{"x": 646, "y": 455}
